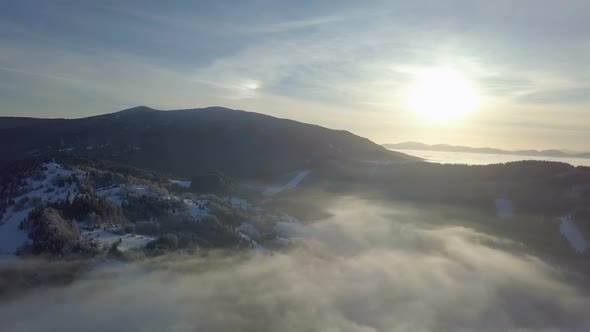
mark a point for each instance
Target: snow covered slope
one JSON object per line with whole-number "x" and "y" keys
{"x": 38, "y": 190}
{"x": 135, "y": 203}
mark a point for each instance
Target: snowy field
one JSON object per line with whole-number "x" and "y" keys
{"x": 11, "y": 237}
{"x": 111, "y": 194}
{"x": 41, "y": 190}
{"x": 197, "y": 209}
{"x": 46, "y": 190}
{"x": 105, "y": 237}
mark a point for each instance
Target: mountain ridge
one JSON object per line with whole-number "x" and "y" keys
{"x": 189, "y": 142}
{"x": 487, "y": 150}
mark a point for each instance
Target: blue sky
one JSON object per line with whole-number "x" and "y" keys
{"x": 342, "y": 64}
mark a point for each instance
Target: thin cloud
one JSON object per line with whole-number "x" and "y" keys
{"x": 579, "y": 95}
{"x": 330, "y": 56}
{"x": 285, "y": 26}
{"x": 39, "y": 75}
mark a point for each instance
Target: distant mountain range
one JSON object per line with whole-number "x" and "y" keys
{"x": 466, "y": 149}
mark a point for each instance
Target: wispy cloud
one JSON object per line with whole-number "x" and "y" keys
{"x": 290, "y": 26}
{"x": 329, "y": 56}
{"x": 577, "y": 95}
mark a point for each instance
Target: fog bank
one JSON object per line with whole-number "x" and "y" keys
{"x": 367, "y": 268}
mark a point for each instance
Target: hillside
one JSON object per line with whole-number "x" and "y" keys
{"x": 91, "y": 211}
{"x": 190, "y": 142}
{"x": 79, "y": 208}
{"x": 164, "y": 161}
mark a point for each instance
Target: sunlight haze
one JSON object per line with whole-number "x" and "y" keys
{"x": 442, "y": 94}
{"x": 272, "y": 165}
{"x": 520, "y": 69}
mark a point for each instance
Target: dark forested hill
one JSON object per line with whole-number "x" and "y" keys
{"x": 190, "y": 142}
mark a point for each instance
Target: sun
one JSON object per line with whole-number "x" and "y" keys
{"x": 442, "y": 94}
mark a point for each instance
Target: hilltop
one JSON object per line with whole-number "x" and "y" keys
{"x": 191, "y": 142}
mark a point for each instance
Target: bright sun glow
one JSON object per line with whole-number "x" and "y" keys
{"x": 442, "y": 94}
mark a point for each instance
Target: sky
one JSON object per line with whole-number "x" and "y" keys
{"x": 341, "y": 64}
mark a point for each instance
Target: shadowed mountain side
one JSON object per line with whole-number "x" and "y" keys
{"x": 191, "y": 142}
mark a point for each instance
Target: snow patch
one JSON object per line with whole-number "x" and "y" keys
{"x": 139, "y": 190}
{"x": 105, "y": 238}
{"x": 11, "y": 237}
{"x": 272, "y": 191}
{"x": 111, "y": 194}
{"x": 278, "y": 242}
{"x": 238, "y": 202}
{"x": 249, "y": 229}
{"x": 197, "y": 210}
{"x": 181, "y": 183}
{"x": 568, "y": 229}
{"x": 504, "y": 208}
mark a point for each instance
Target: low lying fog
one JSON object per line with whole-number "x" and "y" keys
{"x": 368, "y": 268}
